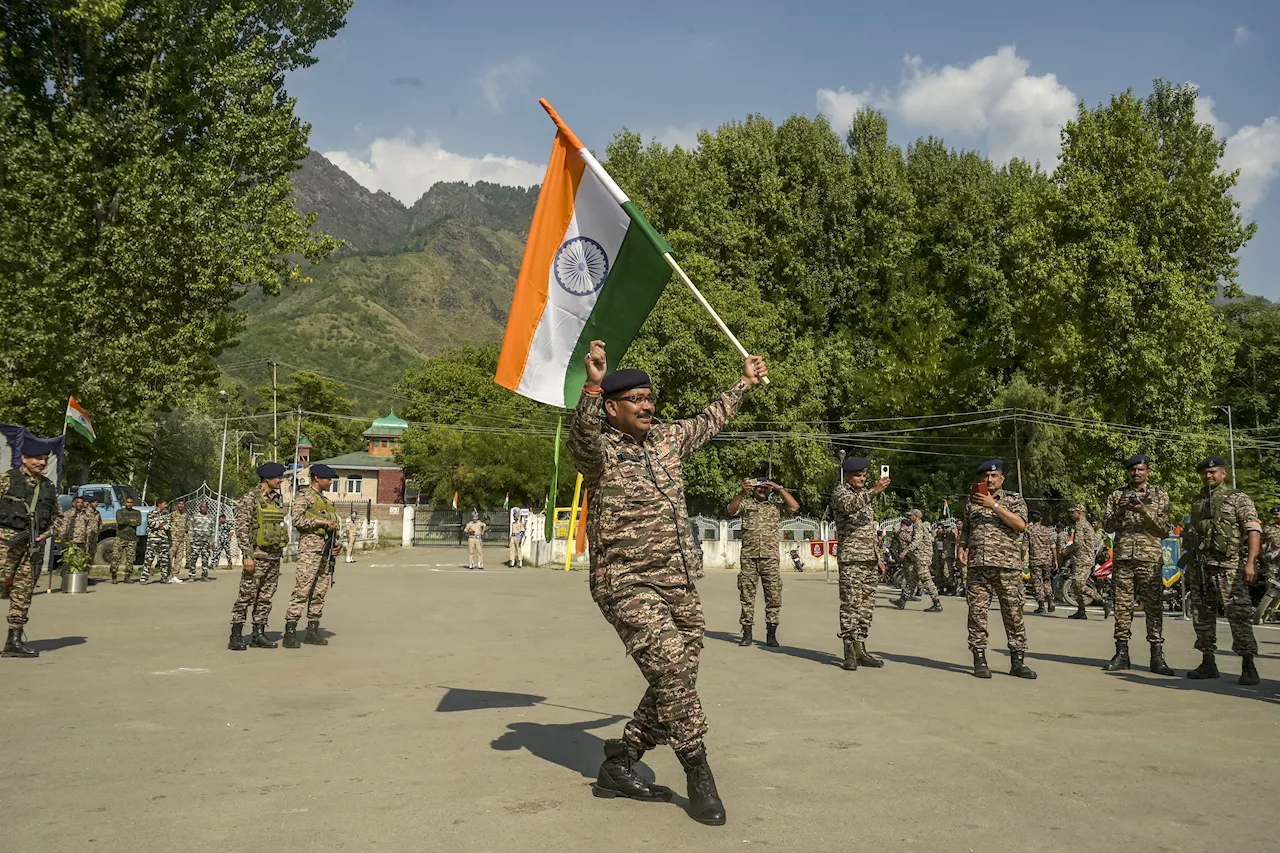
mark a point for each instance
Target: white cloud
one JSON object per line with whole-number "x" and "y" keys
{"x": 1242, "y": 35}
{"x": 840, "y": 105}
{"x": 1255, "y": 151}
{"x": 407, "y": 169}
{"x": 506, "y": 79}
{"x": 685, "y": 136}
{"x": 1206, "y": 115}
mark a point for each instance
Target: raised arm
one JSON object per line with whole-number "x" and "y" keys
{"x": 692, "y": 433}
{"x": 584, "y": 433}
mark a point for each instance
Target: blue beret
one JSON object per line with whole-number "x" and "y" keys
{"x": 1211, "y": 462}
{"x": 322, "y": 470}
{"x": 270, "y": 470}
{"x": 854, "y": 464}
{"x": 1137, "y": 459}
{"x": 991, "y": 465}
{"x": 625, "y": 380}
{"x": 36, "y": 447}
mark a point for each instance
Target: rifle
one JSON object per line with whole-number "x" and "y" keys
{"x": 326, "y": 556}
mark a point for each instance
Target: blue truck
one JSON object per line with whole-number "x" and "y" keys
{"x": 110, "y": 498}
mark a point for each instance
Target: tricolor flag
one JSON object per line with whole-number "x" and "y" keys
{"x": 506, "y": 502}
{"x": 593, "y": 269}
{"x": 79, "y": 421}
{"x": 455, "y": 500}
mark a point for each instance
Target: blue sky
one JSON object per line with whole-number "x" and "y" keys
{"x": 410, "y": 93}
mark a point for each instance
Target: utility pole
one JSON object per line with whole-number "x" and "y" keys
{"x": 275, "y": 420}
{"x": 222, "y": 465}
{"x": 297, "y": 450}
{"x": 1231, "y": 441}
{"x": 1017, "y": 451}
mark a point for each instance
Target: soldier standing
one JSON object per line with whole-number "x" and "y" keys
{"x": 261, "y": 536}
{"x": 128, "y": 520}
{"x": 1042, "y": 555}
{"x": 858, "y": 559}
{"x": 179, "y": 541}
{"x": 316, "y": 520}
{"x": 1081, "y": 550}
{"x": 93, "y": 526}
{"x": 760, "y": 564}
{"x": 915, "y": 558}
{"x": 990, "y": 545}
{"x": 201, "y": 543}
{"x": 1138, "y": 515}
{"x": 1224, "y": 535}
{"x": 474, "y": 531}
{"x": 643, "y": 565}
{"x": 74, "y": 531}
{"x": 223, "y": 545}
{"x": 516, "y": 541}
{"x": 29, "y": 514}
{"x": 1270, "y": 549}
{"x": 157, "y": 552}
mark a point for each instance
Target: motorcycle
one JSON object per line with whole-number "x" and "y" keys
{"x": 1097, "y": 587}
{"x": 1270, "y": 603}
{"x": 796, "y": 562}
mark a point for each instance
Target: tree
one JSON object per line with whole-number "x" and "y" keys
{"x": 311, "y": 393}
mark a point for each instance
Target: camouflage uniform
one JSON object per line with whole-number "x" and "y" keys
{"x": 1083, "y": 550}
{"x": 75, "y": 536}
{"x": 915, "y": 569}
{"x": 92, "y": 530}
{"x": 179, "y": 542}
{"x": 126, "y": 544}
{"x": 1269, "y": 553}
{"x": 1221, "y": 521}
{"x": 257, "y": 588}
{"x": 20, "y": 560}
{"x": 945, "y": 545}
{"x": 994, "y": 552}
{"x": 1138, "y": 559}
{"x": 474, "y": 531}
{"x": 157, "y": 552}
{"x": 201, "y": 544}
{"x": 760, "y": 563}
{"x": 224, "y": 543}
{"x": 857, "y": 558}
{"x": 643, "y": 560}
{"x": 1040, "y": 551}
{"x": 315, "y": 547}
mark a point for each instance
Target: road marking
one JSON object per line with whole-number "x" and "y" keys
{"x": 182, "y": 670}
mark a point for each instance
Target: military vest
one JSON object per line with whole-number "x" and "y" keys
{"x": 20, "y": 501}
{"x": 321, "y": 509}
{"x": 1217, "y": 537}
{"x": 269, "y": 532}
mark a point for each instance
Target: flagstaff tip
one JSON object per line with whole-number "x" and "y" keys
{"x": 569, "y": 135}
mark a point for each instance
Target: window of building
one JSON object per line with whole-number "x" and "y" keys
{"x": 335, "y": 485}
{"x": 354, "y": 484}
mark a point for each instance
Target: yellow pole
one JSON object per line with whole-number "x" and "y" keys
{"x": 573, "y": 524}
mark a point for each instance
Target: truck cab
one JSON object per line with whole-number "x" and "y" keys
{"x": 110, "y": 498}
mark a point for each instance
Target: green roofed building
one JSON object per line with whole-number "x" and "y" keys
{"x": 372, "y": 474}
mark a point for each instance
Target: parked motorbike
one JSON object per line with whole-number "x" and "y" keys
{"x": 796, "y": 562}
{"x": 1097, "y": 587}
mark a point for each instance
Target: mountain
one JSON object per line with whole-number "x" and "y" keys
{"x": 410, "y": 282}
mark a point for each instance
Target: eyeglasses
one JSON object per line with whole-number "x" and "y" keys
{"x": 637, "y": 399}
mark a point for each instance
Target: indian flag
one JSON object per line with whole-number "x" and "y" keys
{"x": 79, "y": 421}
{"x": 593, "y": 269}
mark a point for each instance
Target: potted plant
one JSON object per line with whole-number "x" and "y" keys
{"x": 75, "y": 570}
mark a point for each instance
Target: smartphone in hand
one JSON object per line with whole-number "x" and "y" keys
{"x": 979, "y": 489}
{"x": 884, "y": 471}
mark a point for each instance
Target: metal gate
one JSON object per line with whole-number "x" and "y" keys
{"x": 444, "y": 526}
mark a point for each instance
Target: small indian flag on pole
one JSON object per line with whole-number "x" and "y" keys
{"x": 455, "y": 500}
{"x": 79, "y": 421}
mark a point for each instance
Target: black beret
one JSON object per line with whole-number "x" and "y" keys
{"x": 270, "y": 470}
{"x": 625, "y": 380}
{"x": 322, "y": 470}
{"x": 36, "y": 447}
{"x": 991, "y": 465}
{"x": 1211, "y": 462}
{"x": 854, "y": 464}
{"x": 1137, "y": 459}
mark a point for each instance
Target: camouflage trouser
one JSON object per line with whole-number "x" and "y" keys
{"x": 1007, "y": 586}
{"x": 257, "y": 588}
{"x": 662, "y": 630}
{"x": 310, "y": 586}
{"x": 122, "y": 555}
{"x": 1148, "y": 578}
{"x": 857, "y": 598}
{"x": 475, "y": 553}
{"x": 179, "y": 551}
{"x": 17, "y": 574}
{"x": 765, "y": 572}
{"x": 1042, "y": 583}
{"x": 916, "y": 574}
{"x": 1080, "y": 571}
{"x": 157, "y": 553}
{"x": 1205, "y": 588}
{"x": 223, "y": 548}
{"x": 201, "y": 551}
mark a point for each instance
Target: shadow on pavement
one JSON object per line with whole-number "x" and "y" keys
{"x": 59, "y": 643}
{"x": 944, "y": 666}
{"x": 1267, "y": 691}
{"x": 784, "y": 649}
{"x": 462, "y": 699}
{"x": 1095, "y": 663}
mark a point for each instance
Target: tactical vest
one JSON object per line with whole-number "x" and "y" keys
{"x": 269, "y": 532}
{"x": 321, "y": 509}
{"x": 20, "y": 501}
{"x": 1218, "y": 538}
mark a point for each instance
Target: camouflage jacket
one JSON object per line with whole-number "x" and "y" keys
{"x": 78, "y": 528}
{"x": 637, "y": 522}
{"x": 855, "y": 525}
{"x": 761, "y": 530}
{"x": 202, "y": 527}
{"x": 920, "y": 548}
{"x": 247, "y": 516}
{"x": 313, "y": 535}
{"x": 1040, "y": 545}
{"x": 988, "y": 540}
{"x": 1138, "y": 540}
{"x": 1229, "y": 517}
{"x": 56, "y": 522}
{"x": 180, "y": 524}
{"x": 1270, "y": 554}
{"x": 1083, "y": 544}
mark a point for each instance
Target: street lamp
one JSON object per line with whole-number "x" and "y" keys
{"x": 222, "y": 464}
{"x": 1231, "y": 442}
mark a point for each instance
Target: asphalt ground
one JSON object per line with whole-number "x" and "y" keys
{"x": 466, "y": 711}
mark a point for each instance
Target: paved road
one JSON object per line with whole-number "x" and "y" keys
{"x": 465, "y": 711}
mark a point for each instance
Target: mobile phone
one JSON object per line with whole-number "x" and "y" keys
{"x": 979, "y": 489}
{"x": 884, "y": 471}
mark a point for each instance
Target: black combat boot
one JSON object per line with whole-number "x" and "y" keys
{"x": 15, "y": 648}
{"x": 291, "y": 634}
{"x": 618, "y": 778}
{"x": 746, "y": 636}
{"x": 1079, "y": 614}
{"x": 1019, "y": 666}
{"x": 237, "y": 643}
{"x": 865, "y": 658}
{"x": 850, "y": 656}
{"x": 259, "y": 638}
{"x": 1039, "y": 607}
{"x": 1208, "y": 667}
{"x": 1050, "y": 606}
{"x": 704, "y": 800}
{"x": 771, "y": 635}
{"x": 980, "y": 668}
{"x": 1121, "y": 659}
{"x": 900, "y": 602}
{"x": 1158, "y": 665}
{"x": 1248, "y": 672}
{"x": 936, "y": 608}
{"x": 312, "y": 636}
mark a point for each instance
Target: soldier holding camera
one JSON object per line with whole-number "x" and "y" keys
{"x": 760, "y": 564}
{"x": 29, "y": 514}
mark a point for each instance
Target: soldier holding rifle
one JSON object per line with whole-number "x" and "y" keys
{"x": 29, "y": 513}
{"x": 316, "y": 520}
